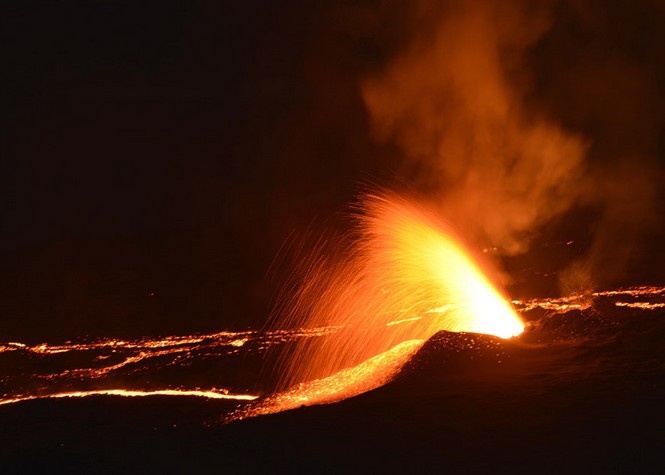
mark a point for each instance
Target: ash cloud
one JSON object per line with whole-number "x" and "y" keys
{"x": 514, "y": 114}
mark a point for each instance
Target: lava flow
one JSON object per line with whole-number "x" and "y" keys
{"x": 212, "y": 394}
{"x": 179, "y": 365}
{"x": 163, "y": 366}
{"x": 348, "y": 329}
{"x": 400, "y": 277}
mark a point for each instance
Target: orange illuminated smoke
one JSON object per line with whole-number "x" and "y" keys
{"x": 400, "y": 276}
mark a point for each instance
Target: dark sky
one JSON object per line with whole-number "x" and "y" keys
{"x": 155, "y": 156}
{"x": 157, "y": 147}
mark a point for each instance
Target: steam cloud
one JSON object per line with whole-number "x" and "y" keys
{"x": 462, "y": 103}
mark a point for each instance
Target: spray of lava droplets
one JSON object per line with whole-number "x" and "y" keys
{"x": 400, "y": 276}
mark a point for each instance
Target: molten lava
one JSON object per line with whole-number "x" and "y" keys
{"x": 364, "y": 307}
{"x": 368, "y": 375}
{"x": 400, "y": 276}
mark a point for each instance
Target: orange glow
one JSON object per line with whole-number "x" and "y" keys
{"x": 587, "y": 300}
{"x": 402, "y": 276}
{"x": 349, "y": 382}
{"x": 641, "y": 305}
{"x": 103, "y": 363}
{"x": 211, "y": 394}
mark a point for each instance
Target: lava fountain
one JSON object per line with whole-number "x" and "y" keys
{"x": 399, "y": 276}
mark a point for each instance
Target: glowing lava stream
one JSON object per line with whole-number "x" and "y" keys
{"x": 349, "y": 382}
{"x": 132, "y": 393}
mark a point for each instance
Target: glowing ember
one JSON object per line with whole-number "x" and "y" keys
{"x": 402, "y": 276}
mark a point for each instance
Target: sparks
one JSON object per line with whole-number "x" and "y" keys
{"x": 401, "y": 276}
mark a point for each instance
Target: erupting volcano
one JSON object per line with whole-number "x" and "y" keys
{"x": 368, "y": 236}
{"x": 401, "y": 276}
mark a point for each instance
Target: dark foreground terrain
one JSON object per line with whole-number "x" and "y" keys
{"x": 581, "y": 391}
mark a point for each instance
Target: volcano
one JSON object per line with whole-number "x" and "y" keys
{"x": 330, "y": 237}
{"x": 580, "y": 390}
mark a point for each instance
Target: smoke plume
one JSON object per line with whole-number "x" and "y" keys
{"x": 455, "y": 102}
{"x": 483, "y": 133}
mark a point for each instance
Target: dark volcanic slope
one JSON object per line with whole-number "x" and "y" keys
{"x": 578, "y": 392}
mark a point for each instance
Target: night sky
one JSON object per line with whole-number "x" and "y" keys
{"x": 156, "y": 156}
